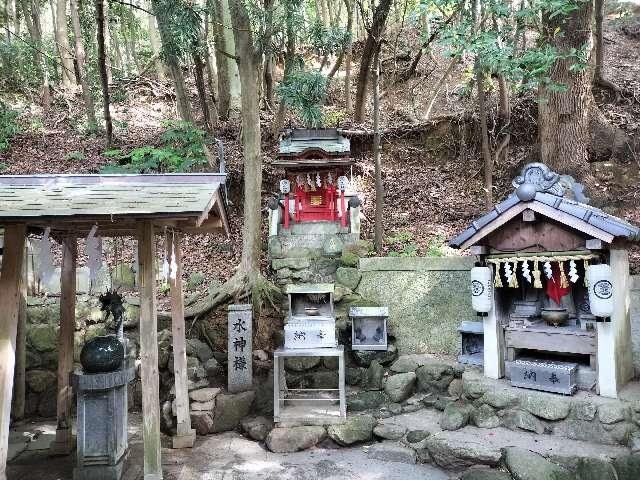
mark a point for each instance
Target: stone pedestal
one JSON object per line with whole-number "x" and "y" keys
{"x": 102, "y": 424}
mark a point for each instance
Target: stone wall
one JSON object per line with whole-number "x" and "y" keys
{"x": 427, "y": 297}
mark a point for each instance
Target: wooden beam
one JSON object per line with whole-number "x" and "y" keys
{"x": 495, "y": 224}
{"x": 63, "y": 444}
{"x": 186, "y": 436}
{"x": 149, "y": 353}
{"x": 10, "y": 288}
{"x": 593, "y": 244}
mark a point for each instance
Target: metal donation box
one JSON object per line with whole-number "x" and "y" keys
{"x": 311, "y": 322}
{"x": 369, "y": 328}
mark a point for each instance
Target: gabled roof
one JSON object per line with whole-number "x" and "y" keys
{"x": 116, "y": 203}
{"x": 295, "y": 144}
{"x": 548, "y": 193}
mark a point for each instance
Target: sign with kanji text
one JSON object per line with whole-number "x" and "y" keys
{"x": 239, "y": 348}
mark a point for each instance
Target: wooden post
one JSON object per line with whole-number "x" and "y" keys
{"x": 493, "y": 341}
{"x": 615, "y": 365}
{"x": 286, "y": 212}
{"x": 17, "y": 404}
{"x": 186, "y": 436}
{"x": 149, "y": 353}
{"x": 63, "y": 444}
{"x": 10, "y": 279}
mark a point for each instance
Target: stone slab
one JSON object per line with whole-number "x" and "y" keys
{"x": 416, "y": 264}
{"x": 239, "y": 348}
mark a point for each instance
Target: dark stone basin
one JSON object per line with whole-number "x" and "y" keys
{"x": 102, "y": 354}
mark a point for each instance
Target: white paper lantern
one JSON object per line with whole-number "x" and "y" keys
{"x": 481, "y": 289}
{"x": 285, "y": 186}
{"x": 600, "y": 290}
{"x": 343, "y": 183}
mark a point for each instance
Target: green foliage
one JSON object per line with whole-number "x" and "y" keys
{"x": 8, "y": 125}
{"x": 402, "y": 244}
{"x": 75, "y": 156}
{"x": 180, "y": 22}
{"x": 328, "y": 41}
{"x": 304, "y": 92}
{"x": 181, "y": 149}
{"x": 435, "y": 247}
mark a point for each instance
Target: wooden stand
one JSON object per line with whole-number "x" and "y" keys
{"x": 308, "y": 406}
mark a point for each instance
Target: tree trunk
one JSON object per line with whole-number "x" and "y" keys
{"x": 438, "y": 86}
{"x": 222, "y": 62}
{"x": 269, "y": 61}
{"x": 154, "y": 39}
{"x": 599, "y": 76}
{"x": 62, "y": 39}
{"x": 80, "y": 59}
{"x": 230, "y": 49}
{"x": 249, "y": 67}
{"x": 349, "y": 4}
{"x": 289, "y": 59}
{"x": 173, "y": 65}
{"x": 379, "y": 227}
{"x": 208, "y": 112}
{"x": 31, "y": 12}
{"x": 102, "y": 69}
{"x": 115, "y": 43}
{"x": 482, "y": 111}
{"x": 563, "y": 116}
{"x": 375, "y": 34}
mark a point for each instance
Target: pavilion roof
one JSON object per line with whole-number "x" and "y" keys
{"x": 73, "y": 204}
{"x": 302, "y": 147}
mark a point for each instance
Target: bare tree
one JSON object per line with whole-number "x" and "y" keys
{"x": 62, "y": 41}
{"x": 102, "y": 69}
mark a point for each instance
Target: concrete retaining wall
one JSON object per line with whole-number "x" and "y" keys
{"x": 428, "y": 297}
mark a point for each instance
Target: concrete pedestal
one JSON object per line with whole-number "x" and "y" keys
{"x": 102, "y": 424}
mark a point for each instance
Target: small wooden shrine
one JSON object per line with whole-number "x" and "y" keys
{"x": 316, "y": 164}
{"x": 552, "y": 287}
{"x": 70, "y": 207}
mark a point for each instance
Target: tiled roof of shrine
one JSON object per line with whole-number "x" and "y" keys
{"x": 546, "y": 192}
{"x": 298, "y": 142}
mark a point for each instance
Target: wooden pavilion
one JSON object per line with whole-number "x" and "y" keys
{"x": 119, "y": 205}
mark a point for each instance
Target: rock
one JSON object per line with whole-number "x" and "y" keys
{"x": 324, "y": 379}
{"x": 485, "y": 417}
{"x": 204, "y": 394}
{"x": 455, "y": 388}
{"x": 48, "y": 404}
{"x": 415, "y": 436}
{"x": 40, "y": 380}
{"x": 389, "y": 431}
{"x": 474, "y": 384}
{"x": 230, "y": 409}
{"x": 409, "y": 363}
{"x": 543, "y": 405}
{"x": 609, "y": 413}
{"x": 434, "y": 377}
{"x": 484, "y": 474}
{"x": 43, "y": 338}
{"x": 399, "y": 387}
{"x": 355, "y": 429}
{"x": 202, "y": 406}
{"x": 634, "y": 442}
{"x": 364, "y": 357}
{"x": 201, "y": 422}
{"x": 627, "y": 467}
{"x": 595, "y": 469}
{"x": 455, "y": 452}
{"x": 211, "y": 367}
{"x": 164, "y": 348}
{"x": 455, "y": 416}
{"x": 197, "y": 348}
{"x": 194, "y": 281}
{"x": 332, "y": 245}
{"x": 294, "y": 439}
{"x": 362, "y": 248}
{"x": 394, "y": 408}
{"x": 257, "y": 428}
{"x": 500, "y": 398}
{"x": 260, "y": 356}
{"x": 330, "y": 363}
{"x": 417, "y": 399}
{"x": 167, "y": 417}
{"x": 290, "y": 263}
{"x": 349, "y": 259}
{"x": 524, "y": 420}
{"x": 365, "y": 400}
{"x": 340, "y": 292}
{"x": 301, "y": 364}
{"x": 585, "y": 410}
{"x": 374, "y": 377}
{"x": 348, "y": 276}
{"x": 526, "y": 465}
{"x": 390, "y": 451}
